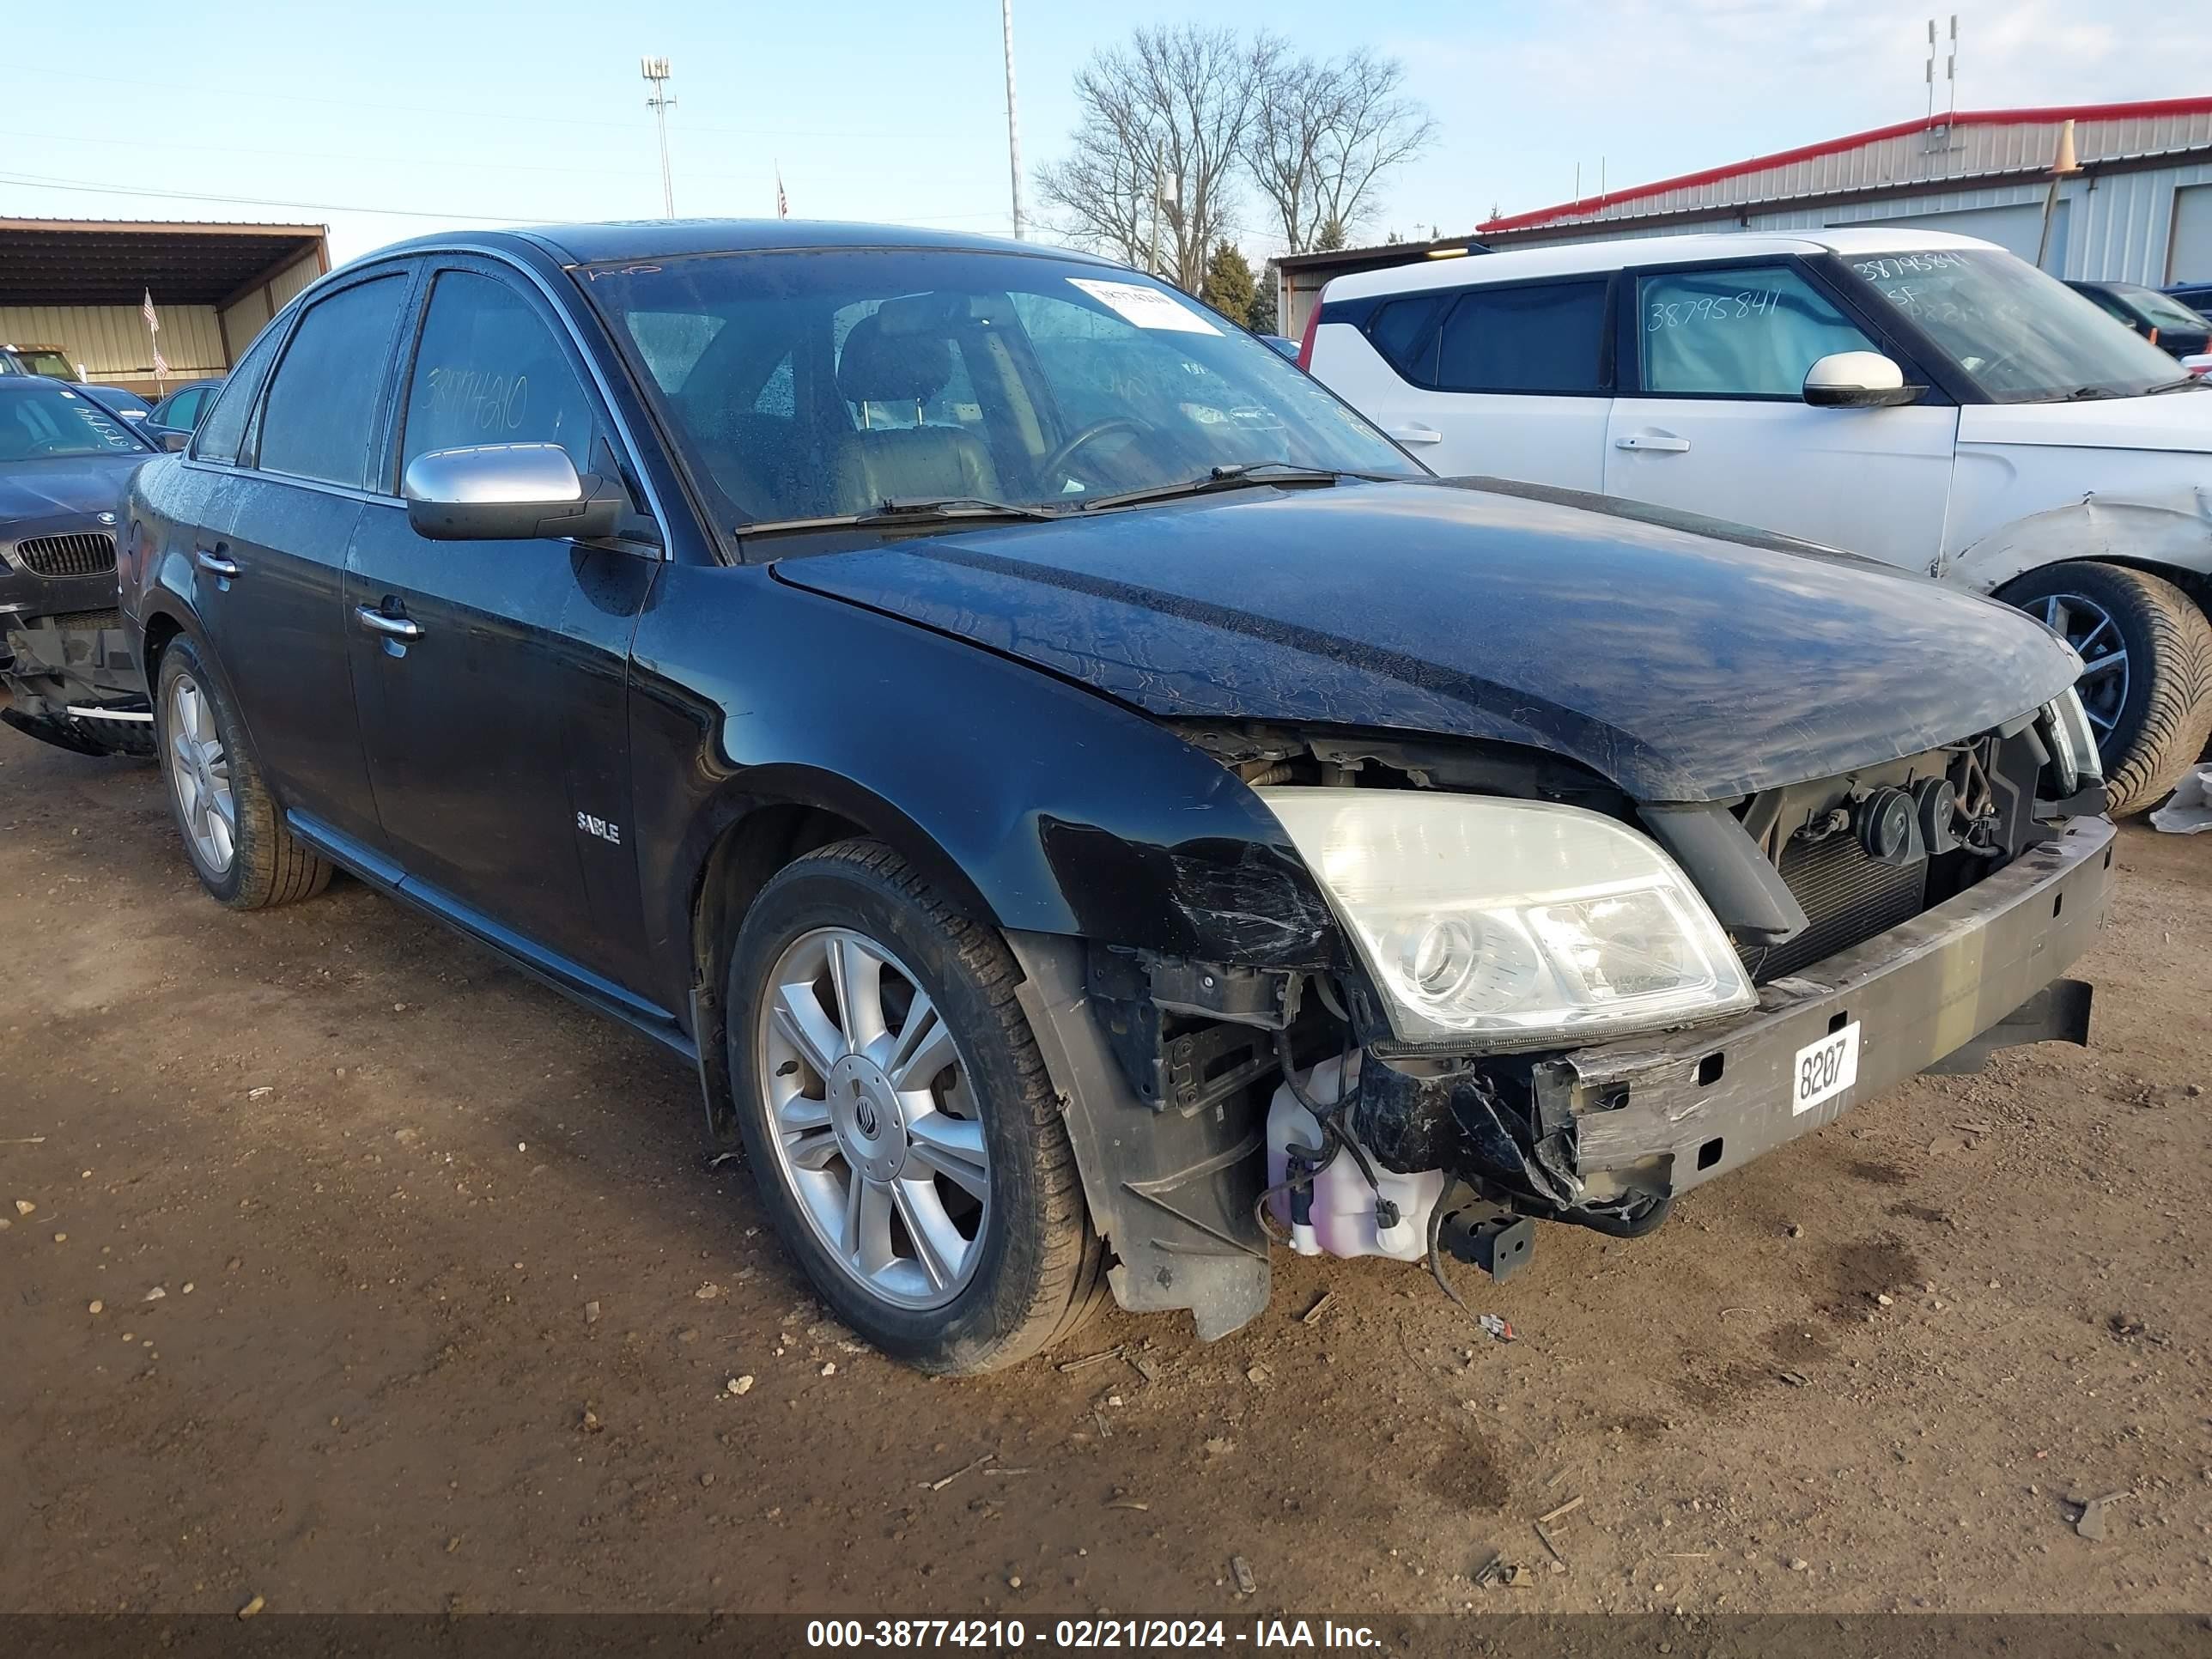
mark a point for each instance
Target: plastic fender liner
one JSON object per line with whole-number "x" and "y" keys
{"x": 1172, "y": 1194}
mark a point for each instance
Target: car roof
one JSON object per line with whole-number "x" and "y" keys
{"x": 668, "y": 239}
{"x": 1599, "y": 259}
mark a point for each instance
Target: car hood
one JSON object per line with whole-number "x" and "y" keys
{"x": 57, "y": 488}
{"x": 2177, "y": 421}
{"x": 1683, "y": 660}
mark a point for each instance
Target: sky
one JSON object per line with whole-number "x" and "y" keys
{"x": 398, "y": 117}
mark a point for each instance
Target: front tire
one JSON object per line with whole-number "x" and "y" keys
{"x": 899, "y": 1121}
{"x": 233, "y": 832}
{"x": 2147, "y": 685}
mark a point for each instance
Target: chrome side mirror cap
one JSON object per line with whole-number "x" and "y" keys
{"x": 1858, "y": 380}
{"x": 507, "y": 493}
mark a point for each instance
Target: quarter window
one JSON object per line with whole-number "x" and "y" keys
{"x": 1400, "y": 333}
{"x": 322, "y": 404}
{"x": 1545, "y": 338}
{"x": 1736, "y": 333}
{"x": 490, "y": 371}
{"x": 218, "y": 436}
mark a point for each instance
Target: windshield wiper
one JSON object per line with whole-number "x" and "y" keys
{"x": 2182, "y": 385}
{"x": 905, "y": 509}
{"x": 2083, "y": 394}
{"x": 1243, "y": 474}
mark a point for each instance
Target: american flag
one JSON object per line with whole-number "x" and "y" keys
{"x": 782, "y": 202}
{"x": 153, "y": 332}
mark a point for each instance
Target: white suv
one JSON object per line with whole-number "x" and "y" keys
{"x": 1926, "y": 399}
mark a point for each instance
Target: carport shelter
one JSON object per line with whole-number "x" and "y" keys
{"x": 79, "y": 284}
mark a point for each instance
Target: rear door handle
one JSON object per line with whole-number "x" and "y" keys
{"x": 390, "y": 628}
{"x": 1416, "y": 434}
{"x": 212, "y": 561}
{"x": 1657, "y": 442}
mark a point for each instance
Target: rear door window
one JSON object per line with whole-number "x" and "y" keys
{"x": 322, "y": 406}
{"x": 1741, "y": 333}
{"x": 1545, "y": 338}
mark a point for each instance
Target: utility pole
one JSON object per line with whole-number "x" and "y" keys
{"x": 1013, "y": 123}
{"x": 655, "y": 71}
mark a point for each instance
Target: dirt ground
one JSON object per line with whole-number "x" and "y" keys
{"x": 365, "y": 1274}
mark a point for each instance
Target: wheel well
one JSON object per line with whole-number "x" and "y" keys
{"x": 2195, "y": 583}
{"x": 749, "y": 854}
{"x": 158, "y": 633}
{"x": 744, "y": 859}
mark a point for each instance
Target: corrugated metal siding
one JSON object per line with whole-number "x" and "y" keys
{"x": 2113, "y": 228}
{"x": 1921, "y": 158}
{"x": 112, "y": 343}
{"x": 247, "y": 315}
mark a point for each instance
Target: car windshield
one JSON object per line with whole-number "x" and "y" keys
{"x": 827, "y": 385}
{"x": 2021, "y": 337}
{"x": 39, "y": 422}
{"x": 2161, "y": 309}
{"x": 47, "y": 362}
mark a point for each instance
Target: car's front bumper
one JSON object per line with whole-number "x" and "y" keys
{"x": 1659, "y": 1116}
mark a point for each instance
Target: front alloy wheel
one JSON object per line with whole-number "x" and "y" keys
{"x": 2146, "y": 681}
{"x": 902, "y": 1131}
{"x": 875, "y": 1129}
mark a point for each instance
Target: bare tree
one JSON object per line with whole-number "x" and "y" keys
{"x": 1161, "y": 135}
{"x": 1323, "y": 134}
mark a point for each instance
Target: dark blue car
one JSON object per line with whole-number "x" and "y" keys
{"x": 1082, "y": 799}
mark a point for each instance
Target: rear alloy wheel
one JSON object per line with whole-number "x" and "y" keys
{"x": 233, "y": 832}
{"x": 898, "y": 1118}
{"x": 2147, "y": 680}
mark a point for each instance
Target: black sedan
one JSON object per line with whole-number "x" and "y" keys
{"x": 1073, "y": 788}
{"x": 2165, "y": 321}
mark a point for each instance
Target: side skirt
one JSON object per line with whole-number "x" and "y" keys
{"x": 563, "y": 974}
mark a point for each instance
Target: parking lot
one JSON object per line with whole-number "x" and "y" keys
{"x": 348, "y": 1269}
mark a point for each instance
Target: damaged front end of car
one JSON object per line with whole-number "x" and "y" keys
{"x": 1533, "y": 997}
{"x": 73, "y": 680}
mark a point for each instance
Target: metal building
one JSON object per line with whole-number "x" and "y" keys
{"x": 2139, "y": 210}
{"x": 79, "y": 284}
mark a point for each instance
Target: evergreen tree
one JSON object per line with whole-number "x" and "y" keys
{"x": 1228, "y": 286}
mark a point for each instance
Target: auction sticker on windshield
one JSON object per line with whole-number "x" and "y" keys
{"x": 1147, "y": 307}
{"x": 1824, "y": 1069}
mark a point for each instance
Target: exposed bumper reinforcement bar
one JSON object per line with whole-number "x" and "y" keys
{"x": 1940, "y": 992}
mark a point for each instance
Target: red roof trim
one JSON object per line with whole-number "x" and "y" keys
{"x": 1832, "y": 146}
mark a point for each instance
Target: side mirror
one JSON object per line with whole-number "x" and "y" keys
{"x": 507, "y": 493}
{"x": 169, "y": 438}
{"x": 1858, "y": 380}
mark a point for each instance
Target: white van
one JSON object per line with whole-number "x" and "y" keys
{"x": 1923, "y": 398}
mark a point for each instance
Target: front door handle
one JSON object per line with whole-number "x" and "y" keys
{"x": 1657, "y": 442}
{"x": 392, "y": 628}
{"x": 1416, "y": 434}
{"x": 212, "y": 561}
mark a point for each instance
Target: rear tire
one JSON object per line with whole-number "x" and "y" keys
{"x": 233, "y": 832}
{"x": 1006, "y": 1261}
{"x": 2150, "y": 695}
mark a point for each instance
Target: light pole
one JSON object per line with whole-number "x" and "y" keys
{"x": 1013, "y": 125}
{"x": 655, "y": 71}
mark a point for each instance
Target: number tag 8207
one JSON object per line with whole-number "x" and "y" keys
{"x": 1824, "y": 1069}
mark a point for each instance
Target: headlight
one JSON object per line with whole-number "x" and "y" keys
{"x": 1512, "y": 920}
{"x": 2074, "y": 742}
